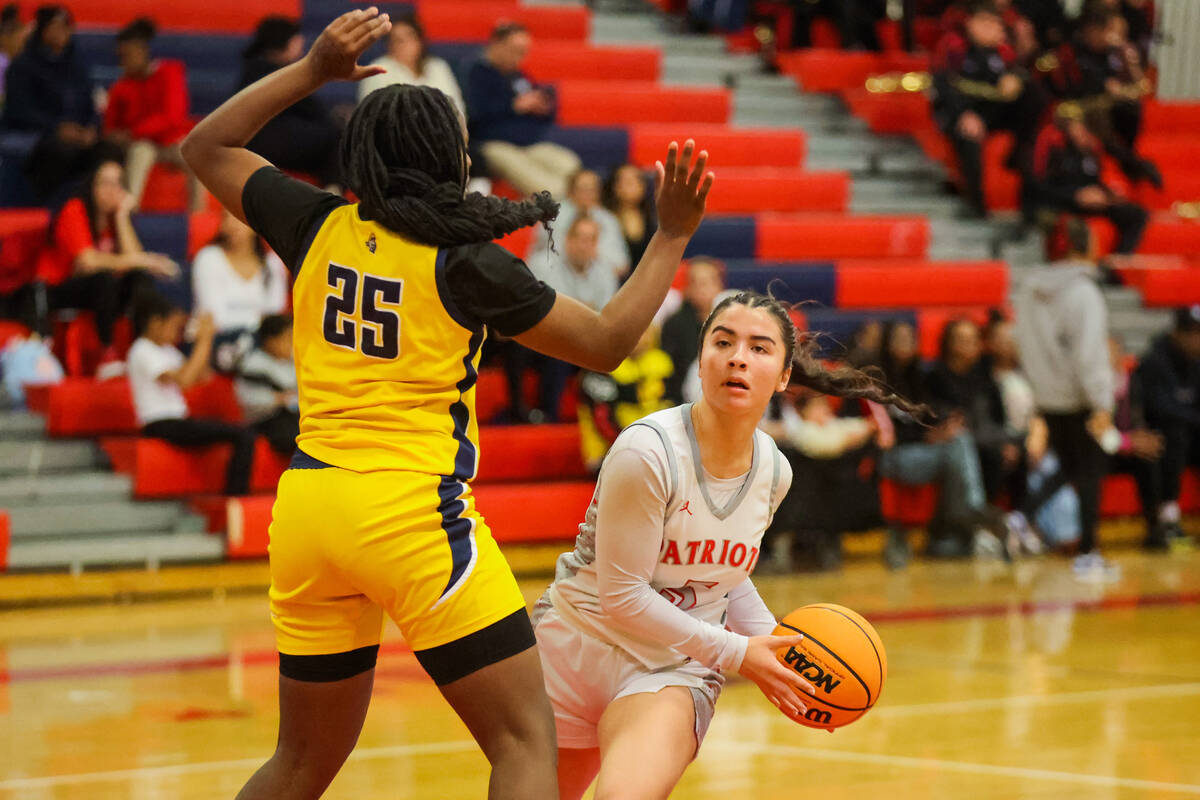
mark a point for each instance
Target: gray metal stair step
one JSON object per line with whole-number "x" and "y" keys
{"x": 703, "y": 70}
{"x": 148, "y": 549}
{"x": 803, "y": 104}
{"x": 888, "y": 188}
{"x": 93, "y": 518}
{"x": 33, "y": 457}
{"x": 939, "y": 207}
{"x": 70, "y": 488}
{"x": 16, "y": 425}
{"x": 775, "y": 85}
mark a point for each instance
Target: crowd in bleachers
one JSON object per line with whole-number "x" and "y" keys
{"x": 1069, "y": 91}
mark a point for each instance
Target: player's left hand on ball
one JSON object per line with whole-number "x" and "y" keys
{"x": 334, "y": 55}
{"x": 773, "y": 679}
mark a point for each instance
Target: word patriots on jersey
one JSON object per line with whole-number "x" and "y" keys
{"x": 709, "y": 551}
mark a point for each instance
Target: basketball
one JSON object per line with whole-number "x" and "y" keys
{"x": 841, "y": 656}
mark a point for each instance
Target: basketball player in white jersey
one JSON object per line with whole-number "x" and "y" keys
{"x": 655, "y": 604}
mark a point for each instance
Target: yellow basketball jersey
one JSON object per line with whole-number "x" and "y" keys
{"x": 386, "y": 366}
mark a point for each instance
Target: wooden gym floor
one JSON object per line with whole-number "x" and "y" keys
{"x": 1005, "y": 683}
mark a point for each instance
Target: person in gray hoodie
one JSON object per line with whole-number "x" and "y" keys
{"x": 1062, "y": 335}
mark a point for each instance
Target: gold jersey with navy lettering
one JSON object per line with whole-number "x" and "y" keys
{"x": 387, "y": 331}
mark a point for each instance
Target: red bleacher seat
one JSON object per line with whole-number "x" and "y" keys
{"x": 529, "y": 452}
{"x": 518, "y": 242}
{"x": 87, "y": 407}
{"x": 1165, "y": 235}
{"x": 491, "y": 395}
{"x": 23, "y": 233}
{"x": 784, "y": 236}
{"x": 458, "y": 21}
{"x": 1160, "y": 117}
{"x": 904, "y": 287}
{"x": 571, "y": 61}
{"x": 748, "y": 190}
{"x": 822, "y": 70}
{"x": 202, "y": 228}
{"x": 1178, "y": 187}
{"x": 890, "y": 112}
{"x": 741, "y": 147}
{"x": 160, "y": 469}
{"x": 10, "y": 330}
{"x": 5, "y": 538}
{"x": 166, "y": 190}
{"x": 1170, "y": 287}
{"x": 626, "y": 102}
{"x": 229, "y": 16}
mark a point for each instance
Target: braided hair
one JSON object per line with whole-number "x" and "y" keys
{"x": 800, "y": 352}
{"x": 405, "y": 157}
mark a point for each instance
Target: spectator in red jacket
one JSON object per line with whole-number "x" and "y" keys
{"x": 979, "y": 88}
{"x": 1066, "y": 177}
{"x": 148, "y": 109}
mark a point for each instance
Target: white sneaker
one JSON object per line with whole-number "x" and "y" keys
{"x": 987, "y": 545}
{"x": 1094, "y": 568}
{"x": 1029, "y": 541}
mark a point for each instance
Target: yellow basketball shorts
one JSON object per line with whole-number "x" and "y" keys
{"x": 346, "y": 547}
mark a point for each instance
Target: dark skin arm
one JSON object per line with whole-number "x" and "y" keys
{"x": 216, "y": 148}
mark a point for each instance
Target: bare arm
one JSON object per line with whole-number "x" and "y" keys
{"x": 601, "y": 340}
{"x": 127, "y": 238}
{"x": 195, "y": 369}
{"x": 216, "y": 148}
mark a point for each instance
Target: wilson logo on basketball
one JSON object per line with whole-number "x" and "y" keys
{"x": 818, "y": 716}
{"x": 811, "y": 671}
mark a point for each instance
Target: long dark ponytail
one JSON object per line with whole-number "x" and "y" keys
{"x": 800, "y": 351}
{"x": 405, "y": 157}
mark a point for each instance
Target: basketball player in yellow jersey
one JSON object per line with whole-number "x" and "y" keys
{"x": 392, "y": 298}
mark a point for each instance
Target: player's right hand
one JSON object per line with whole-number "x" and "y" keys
{"x": 680, "y": 190}
{"x": 334, "y": 55}
{"x": 773, "y": 679}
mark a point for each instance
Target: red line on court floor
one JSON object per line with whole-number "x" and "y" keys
{"x": 258, "y": 657}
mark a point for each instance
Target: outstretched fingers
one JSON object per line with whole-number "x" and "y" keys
{"x": 369, "y": 31}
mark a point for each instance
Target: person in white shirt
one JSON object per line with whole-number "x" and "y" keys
{"x": 583, "y": 197}
{"x": 158, "y": 376}
{"x": 237, "y": 281}
{"x": 408, "y": 61}
{"x": 655, "y": 603}
{"x": 266, "y": 385}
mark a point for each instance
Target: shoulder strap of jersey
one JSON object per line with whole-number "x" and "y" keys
{"x": 774, "y": 474}
{"x": 672, "y": 464}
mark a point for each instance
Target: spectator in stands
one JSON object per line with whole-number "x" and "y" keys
{"x": 158, "y": 375}
{"x": 304, "y": 137}
{"x": 583, "y": 197}
{"x": 1002, "y": 360}
{"x": 147, "y": 110}
{"x": 1103, "y": 73}
{"x": 865, "y": 345}
{"x": 944, "y": 454}
{"x": 610, "y": 403}
{"x": 1066, "y": 177}
{"x": 856, "y": 21}
{"x": 980, "y": 88}
{"x": 1169, "y": 376}
{"x": 511, "y": 116}
{"x": 239, "y": 282}
{"x": 1062, "y": 335}
{"x": 960, "y": 383}
{"x": 717, "y": 15}
{"x": 681, "y": 331}
{"x": 408, "y": 61}
{"x": 828, "y": 451}
{"x": 13, "y": 32}
{"x": 266, "y": 385}
{"x": 577, "y": 273}
{"x": 48, "y": 91}
{"x": 95, "y": 261}
{"x": 627, "y": 195}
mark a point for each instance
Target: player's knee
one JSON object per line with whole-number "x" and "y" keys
{"x": 531, "y": 737}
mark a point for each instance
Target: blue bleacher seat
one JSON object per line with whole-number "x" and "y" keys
{"x": 15, "y": 147}
{"x": 838, "y": 327}
{"x": 724, "y": 237}
{"x": 600, "y": 149}
{"x": 814, "y": 282}
{"x": 163, "y": 233}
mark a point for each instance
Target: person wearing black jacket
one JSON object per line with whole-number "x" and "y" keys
{"x": 1169, "y": 376}
{"x": 48, "y": 91}
{"x": 303, "y": 137}
{"x": 980, "y": 88}
{"x": 1066, "y": 177}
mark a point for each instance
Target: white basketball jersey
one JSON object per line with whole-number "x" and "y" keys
{"x": 705, "y": 551}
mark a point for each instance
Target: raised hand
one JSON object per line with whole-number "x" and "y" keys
{"x": 680, "y": 190}
{"x": 334, "y": 55}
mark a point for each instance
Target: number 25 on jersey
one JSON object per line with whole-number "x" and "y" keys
{"x": 366, "y": 321}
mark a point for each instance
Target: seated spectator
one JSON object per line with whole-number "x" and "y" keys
{"x": 943, "y": 454}
{"x": 583, "y": 197}
{"x": 1103, "y": 73}
{"x": 13, "y": 32}
{"x": 303, "y": 137}
{"x": 408, "y": 61}
{"x": 576, "y": 273}
{"x": 979, "y": 88}
{"x": 959, "y": 384}
{"x": 627, "y": 195}
{"x": 1003, "y": 362}
{"x": 1066, "y": 177}
{"x": 510, "y": 117}
{"x": 865, "y": 345}
{"x": 610, "y": 403}
{"x": 158, "y": 376}
{"x": 856, "y": 21}
{"x": 681, "y": 331}
{"x": 266, "y": 385}
{"x": 1169, "y": 377}
{"x": 707, "y": 16}
{"x": 95, "y": 261}
{"x": 1018, "y": 28}
{"x": 147, "y": 110}
{"x": 829, "y": 452}
{"x": 237, "y": 281}
{"x": 48, "y": 92}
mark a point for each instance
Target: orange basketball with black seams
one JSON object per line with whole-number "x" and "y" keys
{"x": 841, "y": 656}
